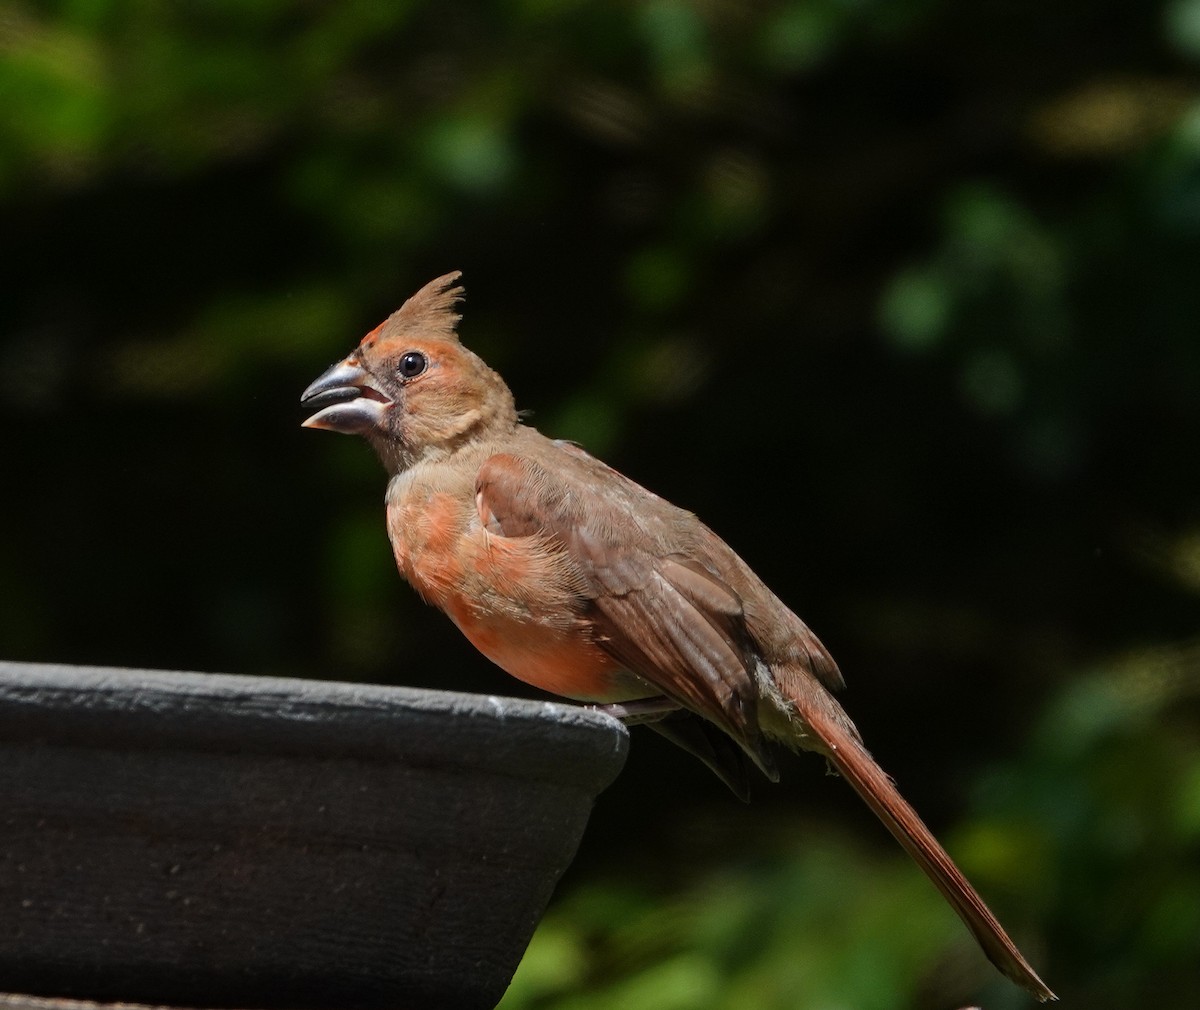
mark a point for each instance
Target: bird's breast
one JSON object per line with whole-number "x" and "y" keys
{"x": 516, "y": 599}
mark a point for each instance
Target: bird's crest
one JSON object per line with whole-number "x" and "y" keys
{"x": 430, "y": 312}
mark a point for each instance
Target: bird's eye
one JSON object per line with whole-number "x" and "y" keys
{"x": 412, "y": 364}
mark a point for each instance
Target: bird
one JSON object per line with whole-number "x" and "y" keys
{"x": 575, "y": 579}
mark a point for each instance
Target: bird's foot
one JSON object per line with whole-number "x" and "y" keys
{"x": 643, "y": 710}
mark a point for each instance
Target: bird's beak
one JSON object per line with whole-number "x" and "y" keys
{"x": 346, "y": 400}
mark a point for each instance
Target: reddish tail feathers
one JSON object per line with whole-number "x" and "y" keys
{"x": 871, "y": 783}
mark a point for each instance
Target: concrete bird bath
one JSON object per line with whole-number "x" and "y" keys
{"x": 215, "y": 841}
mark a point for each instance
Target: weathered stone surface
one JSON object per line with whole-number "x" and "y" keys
{"x": 205, "y": 840}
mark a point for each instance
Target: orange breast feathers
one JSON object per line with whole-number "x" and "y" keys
{"x": 517, "y": 599}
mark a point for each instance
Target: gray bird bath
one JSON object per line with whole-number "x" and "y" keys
{"x": 214, "y": 841}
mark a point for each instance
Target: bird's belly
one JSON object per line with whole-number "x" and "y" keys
{"x": 559, "y": 660}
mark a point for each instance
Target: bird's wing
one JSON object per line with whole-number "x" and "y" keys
{"x": 658, "y": 612}
{"x": 719, "y": 753}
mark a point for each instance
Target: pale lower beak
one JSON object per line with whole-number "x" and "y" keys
{"x": 347, "y": 400}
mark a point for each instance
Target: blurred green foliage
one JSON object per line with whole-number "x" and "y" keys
{"x": 1094, "y": 830}
{"x": 900, "y": 296}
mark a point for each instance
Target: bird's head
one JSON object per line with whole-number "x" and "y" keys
{"x": 410, "y": 387}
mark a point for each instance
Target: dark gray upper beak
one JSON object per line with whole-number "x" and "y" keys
{"x": 345, "y": 399}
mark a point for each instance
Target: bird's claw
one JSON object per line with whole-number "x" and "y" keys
{"x": 631, "y": 713}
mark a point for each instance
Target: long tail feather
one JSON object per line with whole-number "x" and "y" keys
{"x": 871, "y": 783}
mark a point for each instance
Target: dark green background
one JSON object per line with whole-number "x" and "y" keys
{"x": 902, "y": 297}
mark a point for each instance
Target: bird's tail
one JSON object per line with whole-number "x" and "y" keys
{"x": 837, "y": 740}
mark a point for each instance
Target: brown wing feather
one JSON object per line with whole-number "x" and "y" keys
{"x": 661, "y": 616}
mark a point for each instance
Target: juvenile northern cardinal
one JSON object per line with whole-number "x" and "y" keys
{"x": 573, "y": 578}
